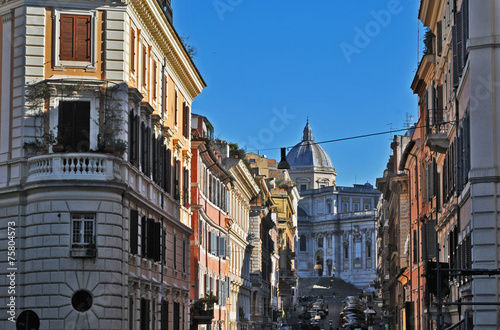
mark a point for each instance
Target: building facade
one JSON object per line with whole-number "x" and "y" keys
{"x": 336, "y": 225}
{"x": 210, "y": 188}
{"x": 101, "y": 237}
{"x": 265, "y": 258}
{"x": 394, "y": 241}
{"x": 452, "y": 169}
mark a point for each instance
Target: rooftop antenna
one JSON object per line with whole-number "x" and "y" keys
{"x": 409, "y": 120}
{"x": 390, "y": 131}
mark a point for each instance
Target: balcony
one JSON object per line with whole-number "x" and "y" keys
{"x": 437, "y": 131}
{"x": 74, "y": 166}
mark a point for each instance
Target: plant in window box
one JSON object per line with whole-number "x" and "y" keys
{"x": 34, "y": 147}
{"x": 120, "y": 146}
{"x": 91, "y": 249}
{"x": 204, "y": 307}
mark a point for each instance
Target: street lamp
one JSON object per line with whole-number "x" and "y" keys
{"x": 283, "y": 164}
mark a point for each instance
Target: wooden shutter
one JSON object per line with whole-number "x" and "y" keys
{"x": 143, "y": 237}
{"x": 456, "y": 75}
{"x": 154, "y": 87}
{"x": 185, "y": 118}
{"x": 156, "y": 238}
{"x": 132, "y": 50}
{"x": 439, "y": 37}
{"x": 430, "y": 238}
{"x": 134, "y": 228}
{"x": 75, "y": 38}
{"x": 66, "y": 51}
{"x": 82, "y": 40}
{"x": 164, "y": 246}
{"x": 150, "y": 238}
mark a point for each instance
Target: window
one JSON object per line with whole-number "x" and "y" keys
{"x": 176, "y": 116}
{"x": 144, "y": 67}
{"x": 355, "y": 207}
{"x": 164, "y": 246}
{"x": 320, "y": 242}
{"x": 185, "y": 121}
{"x": 345, "y": 207}
{"x": 303, "y": 243}
{"x": 303, "y": 187}
{"x": 164, "y": 315}
{"x": 134, "y": 231}
{"x": 83, "y": 233}
{"x": 177, "y": 174}
{"x": 133, "y": 51}
{"x": 177, "y": 316}
{"x": 154, "y": 86}
{"x": 81, "y": 300}
{"x": 185, "y": 188}
{"x": 368, "y": 207}
{"x": 368, "y": 251}
{"x": 165, "y": 95}
{"x": 131, "y": 312}
{"x": 144, "y": 314}
{"x": 75, "y": 31}
{"x": 75, "y": 38}
{"x": 175, "y": 252}
{"x": 74, "y": 125}
{"x": 133, "y": 138}
{"x": 184, "y": 255}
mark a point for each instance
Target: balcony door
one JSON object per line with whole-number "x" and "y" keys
{"x": 74, "y": 125}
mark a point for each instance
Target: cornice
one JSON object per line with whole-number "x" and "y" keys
{"x": 168, "y": 41}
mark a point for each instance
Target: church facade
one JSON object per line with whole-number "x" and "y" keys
{"x": 336, "y": 225}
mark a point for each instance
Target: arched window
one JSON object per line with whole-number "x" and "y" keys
{"x": 303, "y": 243}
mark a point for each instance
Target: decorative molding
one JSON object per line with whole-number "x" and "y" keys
{"x": 7, "y": 17}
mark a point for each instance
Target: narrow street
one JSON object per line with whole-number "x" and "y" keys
{"x": 333, "y": 292}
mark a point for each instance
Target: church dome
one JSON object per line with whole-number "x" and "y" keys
{"x": 308, "y": 152}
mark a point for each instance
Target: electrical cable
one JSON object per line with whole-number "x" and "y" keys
{"x": 361, "y": 136}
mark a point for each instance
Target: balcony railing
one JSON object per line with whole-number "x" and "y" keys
{"x": 73, "y": 166}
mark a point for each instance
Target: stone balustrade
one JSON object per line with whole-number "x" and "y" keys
{"x": 74, "y": 166}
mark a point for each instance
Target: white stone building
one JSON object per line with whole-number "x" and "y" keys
{"x": 336, "y": 225}
{"x": 98, "y": 240}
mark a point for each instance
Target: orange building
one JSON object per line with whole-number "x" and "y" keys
{"x": 210, "y": 220}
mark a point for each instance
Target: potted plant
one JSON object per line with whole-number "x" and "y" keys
{"x": 120, "y": 146}
{"x": 202, "y": 309}
{"x": 91, "y": 249}
{"x": 34, "y": 147}
{"x": 56, "y": 140}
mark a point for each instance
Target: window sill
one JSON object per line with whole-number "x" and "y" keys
{"x": 83, "y": 252}
{"x": 76, "y": 65}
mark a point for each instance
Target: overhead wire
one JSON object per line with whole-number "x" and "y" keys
{"x": 363, "y": 135}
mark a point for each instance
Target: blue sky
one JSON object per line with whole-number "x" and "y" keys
{"x": 346, "y": 65}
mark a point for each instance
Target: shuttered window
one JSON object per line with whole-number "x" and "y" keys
{"x": 75, "y": 38}
{"x": 157, "y": 244}
{"x": 134, "y": 231}
{"x": 185, "y": 121}
{"x": 132, "y": 50}
{"x": 150, "y": 238}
